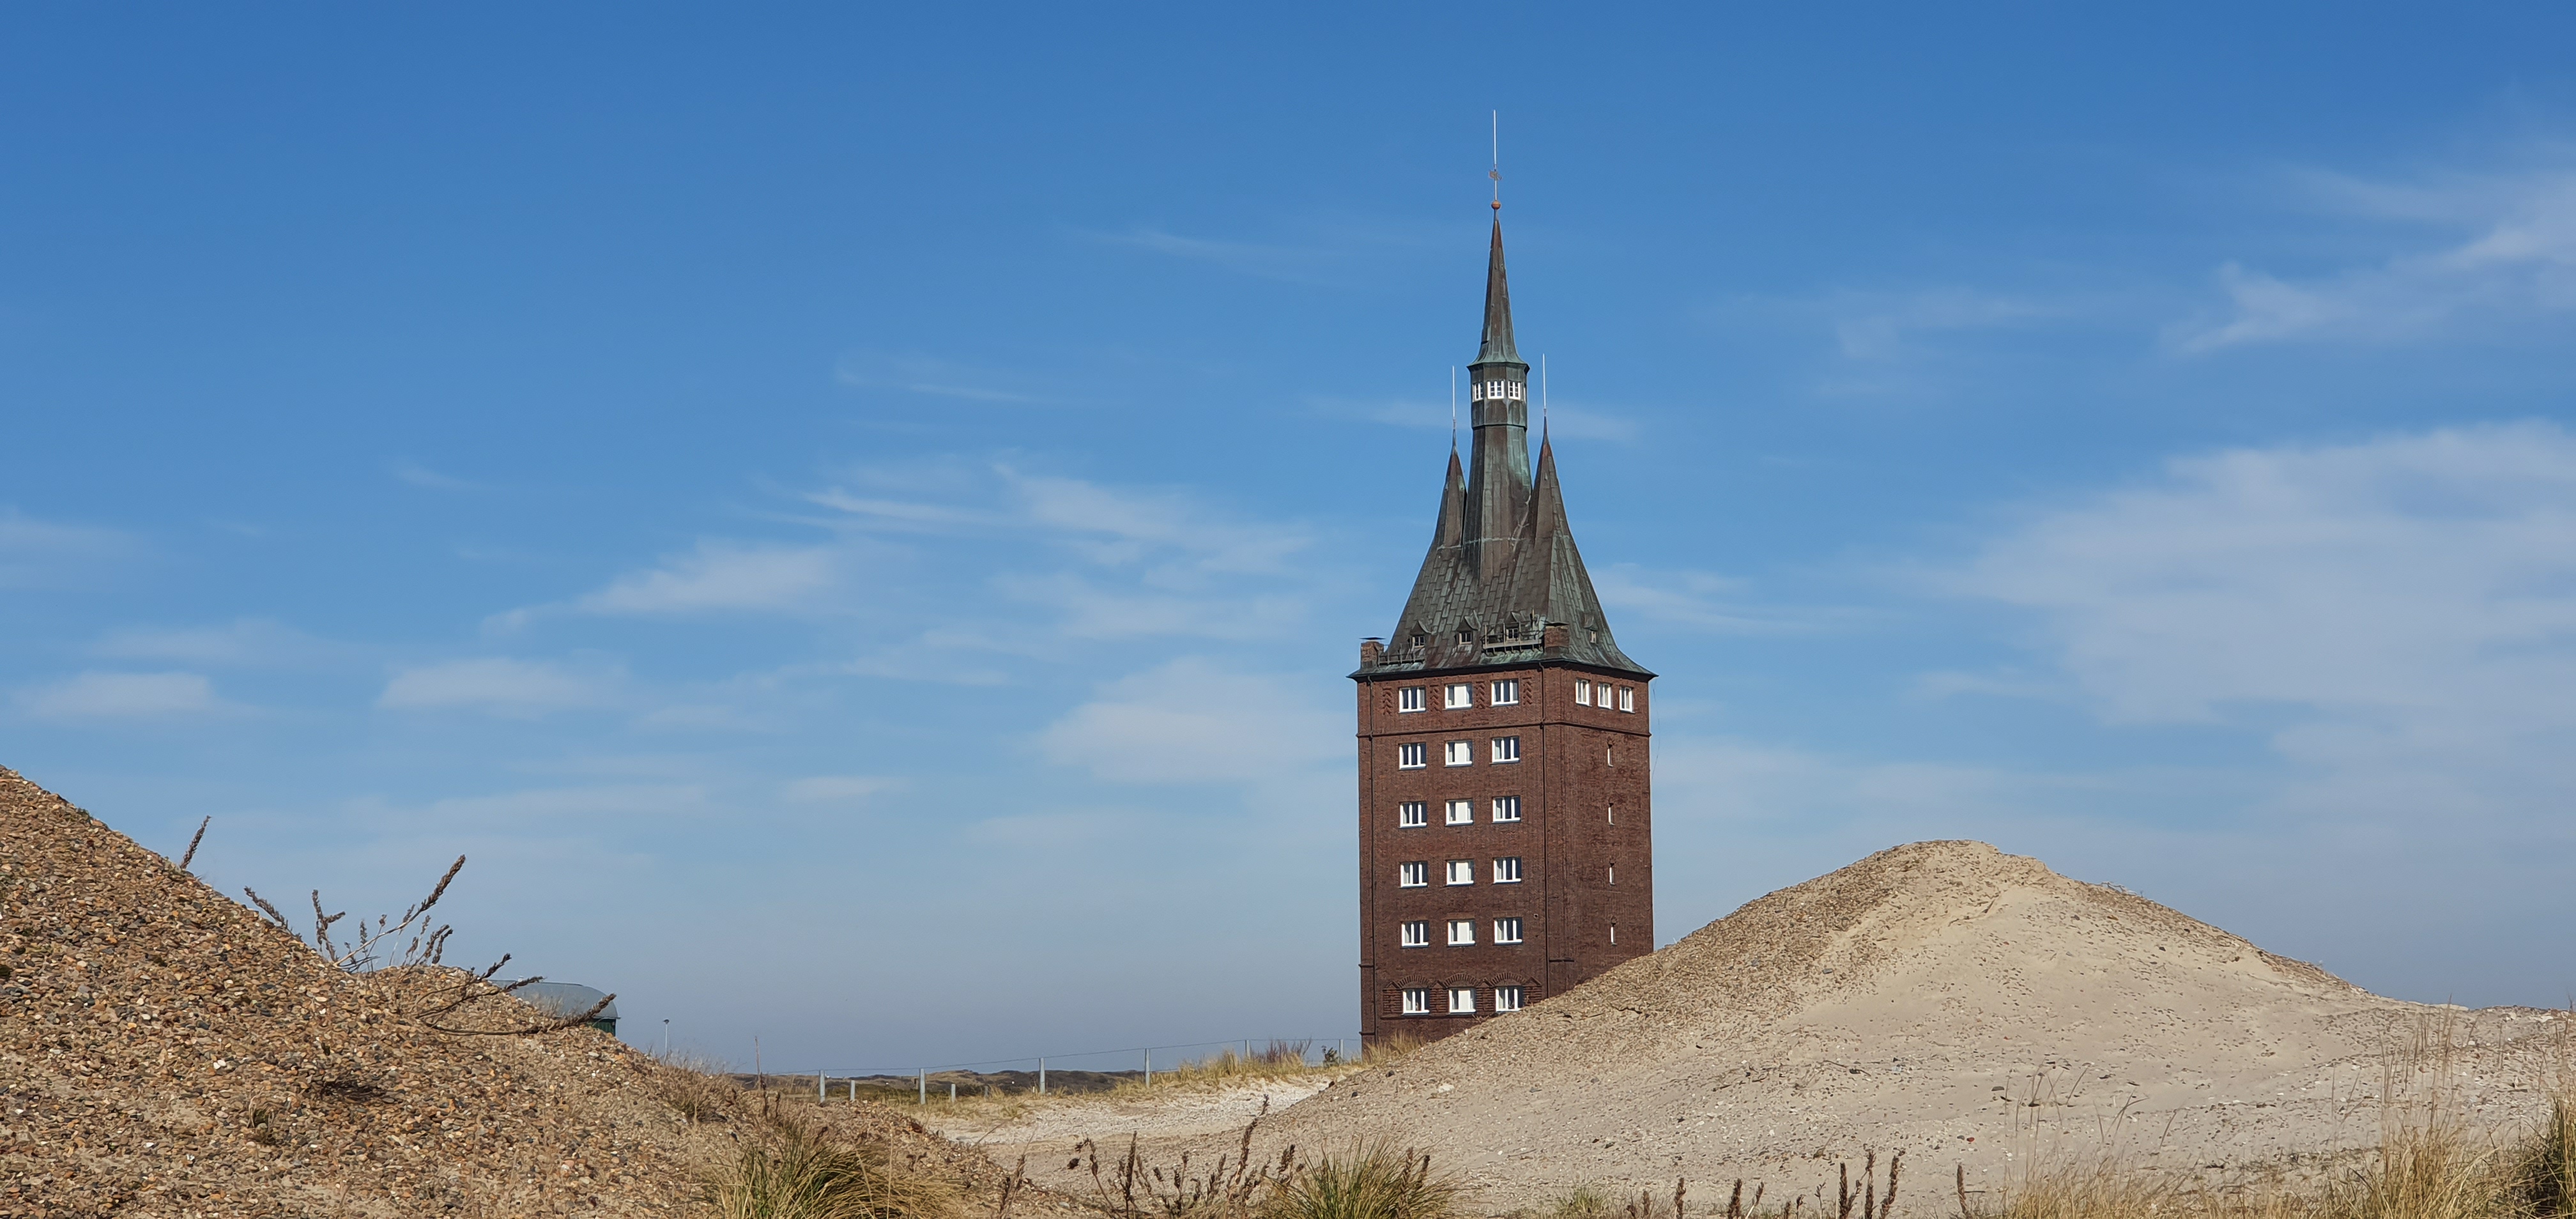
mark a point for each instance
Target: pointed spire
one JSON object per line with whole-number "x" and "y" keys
{"x": 1453, "y": 505}
{"x": 1497, "y": 345}
{"x": 1547, "y": 500}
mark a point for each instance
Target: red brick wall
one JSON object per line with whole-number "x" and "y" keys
{"x": 1566, "y": 840}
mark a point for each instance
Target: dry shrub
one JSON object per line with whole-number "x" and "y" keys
{"x": 693, "y": 1087}
{"x": 1276, "y": 1060}
{"x": 789, "y": 1169}
{"x": 1391, "y": 1046}
{"x": 2543, "y": 1169}
{"x": 1585, "y": 1201}
{"x": 1372, "y": 1181}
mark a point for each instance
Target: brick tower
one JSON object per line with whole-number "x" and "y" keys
{"x": 1505, "y": 827}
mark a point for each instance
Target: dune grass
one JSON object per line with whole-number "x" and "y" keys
{"x": 788, "y": 1169}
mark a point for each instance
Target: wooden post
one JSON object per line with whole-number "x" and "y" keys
{"x": 1041, "y": 1077}
{"x": 1149, "y": 1067}
{"x": 925, "y": 1088}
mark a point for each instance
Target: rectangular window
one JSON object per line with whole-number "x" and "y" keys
{"x": 1417, "y": 1000}
{"x": 1412, "y": 814}
{"x": 1583, "y": 694}
{"x": 1417, "y": 934}
{"x": 1507, "y": 931}
{"x": 1462, "y": 1001}
{"x": 1462, "y": 871}
{"x": 1507, "y": 749}
{"x": 1507, "y": 870}
{"x": 1507, "y": 692}
{"x": 1462, "y": 931}
{"x": 1462, "y": 812}
{"x": 1507, "y": 998}
{"x": 1507, "y": 808}
{"x": 1627, "y": 698}
{"x": 1459, "y": 753}
{"x": 1458, "y": 696}
{"x": 1413, "y": 875}
{"x": 1409, "y": 699}
{"x": 1413, "y": 755}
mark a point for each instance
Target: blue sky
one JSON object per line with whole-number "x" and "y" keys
{"x": 856, "y": 521}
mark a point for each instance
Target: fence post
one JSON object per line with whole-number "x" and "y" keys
{"x": 854, "y": 1089}
{"x": 820, "y": 1082}
{"x": 1041, "y": 1077}
{"x": 952, "y": 1091}
{"x": 1149, "y": 1066}
{"x": 925, "y": 1087}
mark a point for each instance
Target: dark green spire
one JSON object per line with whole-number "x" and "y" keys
{"x": 1497, "y": 345}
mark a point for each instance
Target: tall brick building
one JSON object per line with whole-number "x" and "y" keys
{"x": 1505, "y": 821}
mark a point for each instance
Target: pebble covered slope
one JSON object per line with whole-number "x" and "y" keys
{"x": 1968, "y": 1006}
{"x": 166, "y": 1052}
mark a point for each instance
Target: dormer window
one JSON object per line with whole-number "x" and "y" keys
{"x": 1466, "y": 635}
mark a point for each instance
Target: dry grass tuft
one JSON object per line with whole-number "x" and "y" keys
{"x": 1277, "y": 1060}
{"x": 790, "y": 1169}
{"x": 1372, "y": 1181}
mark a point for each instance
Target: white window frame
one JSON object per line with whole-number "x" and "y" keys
{"x": 1458, "y": 753}
{"x": 1507, "y": 999}
{"x": 1462, "y": 933}
{"x": 1409, "y": 699}
{"x": 1507, "y": 930}
{"x": 1506, "y": 749}
{"x": 1457, "y": 696}
{"x": 1628, "y": 699}
{"x": 1505, "y": 693}
{"x": 1507, "y": 809}
{"x": 1507, "y": 870}
{"x": 1414, "y": 933}
{"x": 1413, "y": 874}
{"x": 1462, "y": 871}
{"x": 1412, "y": 814}
{"x": 1582, "y": 693}
{"x": 1417, "y": 1000}
{"x": 1459, "y": 812}
{"x": 1413, "y": 755}
{"x": 1462, "y": 1001}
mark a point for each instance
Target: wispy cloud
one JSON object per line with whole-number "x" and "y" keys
{"x": 502, "y": 686}
{"x": 720, "y": 576}
{"x": 1711, "y": 602}
{"x": 1192, "y": 721}
{"x": 2486, "y": 246}
{"x": 921, "y": 374}
{"x": 99, "y": 696}
{"x": 419, "y": 475}
{"x": 47, "y": 554}
{"x": 1289, "y": 263}
{"x": 242, "y": 643}
{"x": 2397, "y": 614}
{"x": 841, "y": 789}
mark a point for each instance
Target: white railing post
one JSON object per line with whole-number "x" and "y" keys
{"x": 1041, "y": 1077}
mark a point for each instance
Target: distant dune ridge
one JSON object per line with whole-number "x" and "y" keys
{"x": 1943, "y": 998}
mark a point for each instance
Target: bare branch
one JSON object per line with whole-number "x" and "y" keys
{"x": 273, "y": 915}
{"x": 184, "y": 860}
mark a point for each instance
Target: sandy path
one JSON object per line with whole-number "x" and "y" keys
{"x": 1164, "y": 1123}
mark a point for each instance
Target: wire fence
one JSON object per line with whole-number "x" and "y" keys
{"x": 1311, "y": 1051}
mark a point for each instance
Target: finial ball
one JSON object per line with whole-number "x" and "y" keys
{"x": 1498, "y": 205}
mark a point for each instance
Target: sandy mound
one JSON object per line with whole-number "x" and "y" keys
{"x": 166, "y": 1052}
{"x": 1945, "y": 998}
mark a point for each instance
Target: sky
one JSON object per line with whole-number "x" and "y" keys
{"x": 856, "y": 522}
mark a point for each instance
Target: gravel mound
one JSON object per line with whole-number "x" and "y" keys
{"x": 1946, "y": 999}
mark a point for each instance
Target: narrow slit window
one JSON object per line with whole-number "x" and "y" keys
{"x": 1614, "y": 933}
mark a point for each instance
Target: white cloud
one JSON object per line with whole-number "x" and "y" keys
{"x": 720, "y": 576}
{"x": 938, "y": 378}
{"x": 422, "y": 476}
{"x": 243, "y": 642}
{"x": 1709, "y": 602}
{"x": 1882, "y": 326}
{"x": 1190, "y": 721}
{"x": 2398, "y": 615}
{"x": 500, "y": 686}
{"x": 2506, "y": 245}
{"x": 841, "y": 789}
{"x": 122, "y": 696}
{"x": 44, "y": 554}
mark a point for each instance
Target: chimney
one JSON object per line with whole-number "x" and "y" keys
{"x": 1369, "y": 649}
{"x": 1556, "y": 637}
